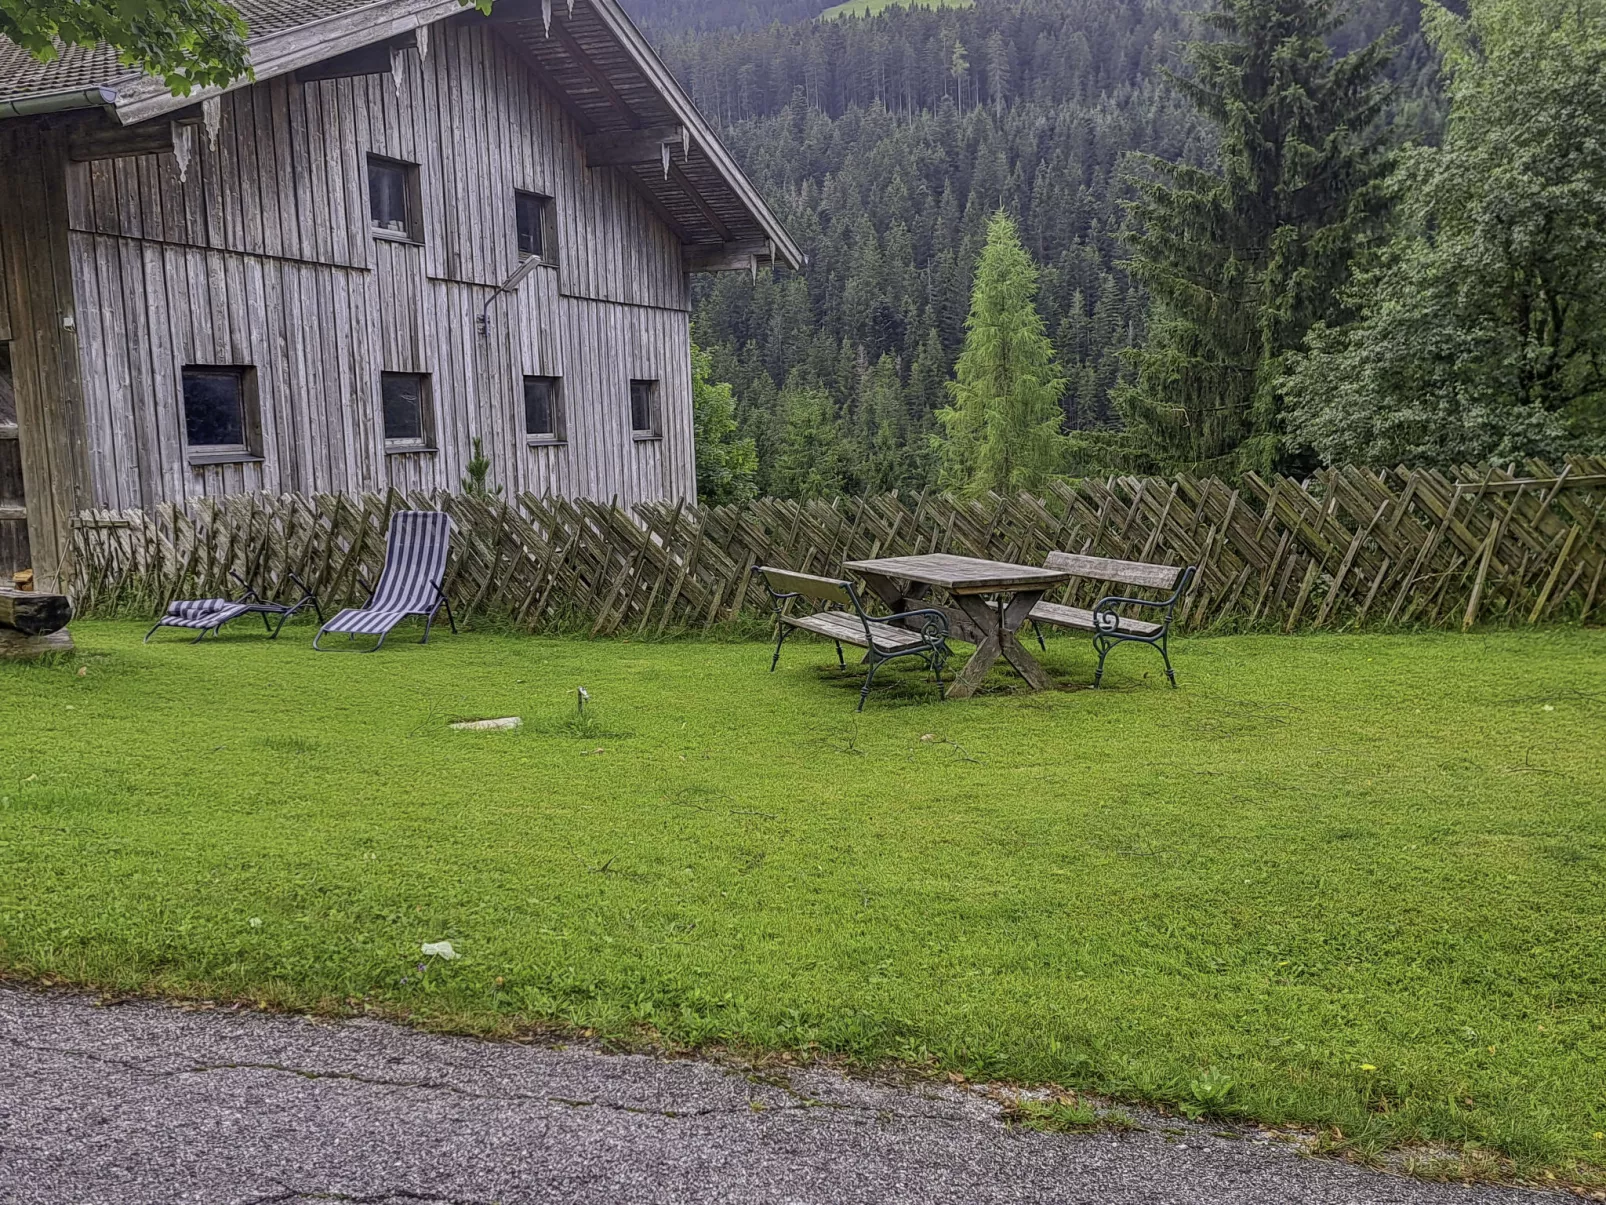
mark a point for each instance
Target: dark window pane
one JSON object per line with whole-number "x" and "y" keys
{"x": 8, "y": 399}
{"x": 214, "y": 407}
{"x": 642, "y": 418}
{"x": 387, "y": 195}
{"x": 403, "y": 397}
{"x": 529, "y": 209}
{"x": 540, "y": 407}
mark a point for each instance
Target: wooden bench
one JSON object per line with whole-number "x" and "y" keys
{"x": 883, "y": 638}
{"x": 1105, "y": 621}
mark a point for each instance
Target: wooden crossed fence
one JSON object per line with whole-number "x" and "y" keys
{"x": 1345, "y": 548}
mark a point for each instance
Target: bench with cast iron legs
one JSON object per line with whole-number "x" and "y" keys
{"x": 1105, "y": 621}
{"x": 883, "y": 638}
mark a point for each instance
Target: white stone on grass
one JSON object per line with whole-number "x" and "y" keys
{"x": 510, "y": 721}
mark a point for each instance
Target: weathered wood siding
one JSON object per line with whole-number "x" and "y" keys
{"x": 37, "y": 280}
{"x": 262, "y": 253}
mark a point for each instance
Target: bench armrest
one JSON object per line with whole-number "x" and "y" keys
{"x": 933, "y": 629}
{"x": 1107, "y": 615}
{"x": 1110, "y": 601}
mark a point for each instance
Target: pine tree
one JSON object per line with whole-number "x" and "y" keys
{"x": 1003, "y": 429}
{"x": 814, "y": 459}
{"x": 1242, "y": 261}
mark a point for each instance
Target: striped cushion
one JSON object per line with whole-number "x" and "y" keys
{"x": 202, "y": 612}
{"x": 359, "y": 622}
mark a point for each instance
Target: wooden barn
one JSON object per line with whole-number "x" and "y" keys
{"x": 417, "y": 227}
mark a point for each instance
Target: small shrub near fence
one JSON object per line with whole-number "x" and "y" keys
{"x": 1345, "y": 548}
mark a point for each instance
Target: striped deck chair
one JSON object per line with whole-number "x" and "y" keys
{"x": 411, "y": 583}
{"x": 210, "y": 614}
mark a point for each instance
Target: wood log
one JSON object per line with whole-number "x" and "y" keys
{"x": 33, "y": 614}
{"x": 14, "y": 644}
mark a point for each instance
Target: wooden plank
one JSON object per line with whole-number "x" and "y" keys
{"x": 600, "y": 78}
{"x": 694, "y": 194}
{"x": 617, "y": 148}
{"x": 45, "y": 359}
{"x": 960, "y": 574}
{"x": 1132, "y": 573}
{"x": 33, "y": 614}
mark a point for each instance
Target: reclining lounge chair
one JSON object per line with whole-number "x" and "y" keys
{"x": 210, "y": 614}
{"x": 411, "y": 583}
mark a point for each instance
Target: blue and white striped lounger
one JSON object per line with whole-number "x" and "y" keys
{"x": 411, "y": 583}
{"x": 210, "y": 614}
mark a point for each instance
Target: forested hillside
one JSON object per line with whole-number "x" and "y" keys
{"x": 886, "y": 144}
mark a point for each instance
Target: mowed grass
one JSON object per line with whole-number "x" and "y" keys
{"x": 869, "y": 8}
{"x": 1352, "y": 881}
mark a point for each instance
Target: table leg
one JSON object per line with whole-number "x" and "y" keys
{"x": 968, "y": 679}
{"x": 989, "y": 646}
{"x": 999, "y": 626}
{"x": 886, "y": 589}
{"x": 1013, "y": 619}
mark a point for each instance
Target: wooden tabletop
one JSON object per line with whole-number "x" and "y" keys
{"x": 962, "y": 574}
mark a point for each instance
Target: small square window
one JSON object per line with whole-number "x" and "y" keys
{"x": 533, "y": 214}
{"x": 644, "y": 422}
{"x": 543, "y": 410}
{"x": 409, "y": 425}
{"x": 393, "y": 203}
{"x": 220, "y": 419}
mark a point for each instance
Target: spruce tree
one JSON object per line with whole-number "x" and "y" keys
{"x": 1242, "y": 260}
{"x": 1002, "y": 431}
{"x": 814, "y": 459}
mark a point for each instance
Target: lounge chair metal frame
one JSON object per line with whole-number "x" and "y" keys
{"x": 250, "y": 602}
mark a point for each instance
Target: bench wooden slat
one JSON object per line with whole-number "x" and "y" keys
{"x": 820, "y": 589}
{"x": 1106, "y": 569}
{"x": 847, "y": 628}
{"x": 1082, "y": 620}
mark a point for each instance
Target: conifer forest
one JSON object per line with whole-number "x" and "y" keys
{"x": 1063, "y": 237}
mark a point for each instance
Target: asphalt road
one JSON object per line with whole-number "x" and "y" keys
{"x": 143, "y": 1103}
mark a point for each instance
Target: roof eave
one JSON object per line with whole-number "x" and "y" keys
{"x": 280, "y": 53}
{"x": 623, "y": 28}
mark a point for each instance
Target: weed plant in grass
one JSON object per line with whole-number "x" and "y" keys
{"x": 1349, "y": 881}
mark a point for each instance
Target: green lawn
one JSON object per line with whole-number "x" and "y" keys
{"x": 1359, "y": 877}
{"x": 869, "y": 8}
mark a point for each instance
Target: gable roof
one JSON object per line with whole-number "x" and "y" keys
{"x": 588, "y": 53}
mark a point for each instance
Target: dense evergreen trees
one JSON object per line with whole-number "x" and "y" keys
{"x": 889, "y": 176}
{"x": 1177, "y": 295}
{"x": 1242, "y": 258}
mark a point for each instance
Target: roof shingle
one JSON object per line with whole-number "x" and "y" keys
{"x": 91, "y": 66}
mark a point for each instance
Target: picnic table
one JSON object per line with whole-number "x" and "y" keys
{"x": 991, "y": 600}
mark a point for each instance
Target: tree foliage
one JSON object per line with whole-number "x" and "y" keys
{"x": 1242, "y": 258}
{"x": 726, "y": 462}
{"x": 187, "y": 43}
{"x": 887, "y": 167}
{"x": 1002, "y": 431}
{"x": 1483, "y": 326}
